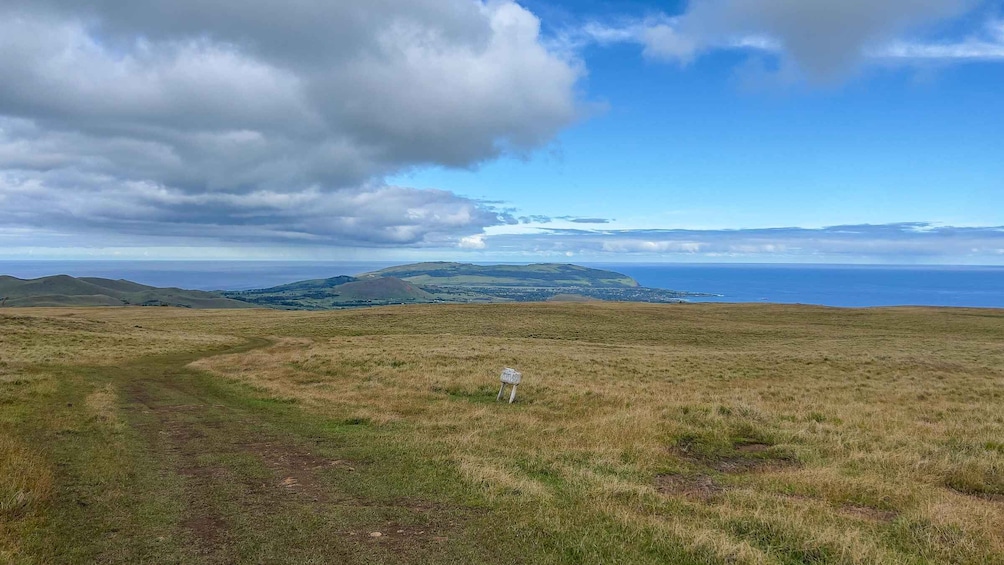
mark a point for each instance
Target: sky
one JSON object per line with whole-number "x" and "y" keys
{"x": 773, "y": 131}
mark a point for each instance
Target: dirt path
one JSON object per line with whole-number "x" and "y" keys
{"x": 256, "y": 488}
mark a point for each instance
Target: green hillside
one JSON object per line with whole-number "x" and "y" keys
{"x": 309, "y": 285}
{"x": 64, "y": 290}
{"x": 336, "y": 292}
{"x": 539, "y": 275}
{"x": 388, "y": 288}
{"x": 120, "y": 285}
{"x": 458, "y": 283}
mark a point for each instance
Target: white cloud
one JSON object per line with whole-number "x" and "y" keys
{"x": 650, "y": 247}
{"x": 220, "y": 115}
{"x": 472, "y": 242}
{"x": 881, "y": 243}
{"x": 665, "y": 41}
{"x": 986, "y": 46}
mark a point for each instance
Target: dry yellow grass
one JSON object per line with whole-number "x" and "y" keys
{"x": 863, "y": 426}
{"x": 103, "y": 404}
{"x": 25, "y": 483}
{"x": 752, "y": 434}
{"x": 54, "y": 336}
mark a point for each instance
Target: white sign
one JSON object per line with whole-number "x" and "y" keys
{"x": 509, "y": 377}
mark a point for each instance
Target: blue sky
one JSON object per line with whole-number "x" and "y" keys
{"x": 689, "y": 147}
{"x": 719, "y": 130}
{"x": 700, "y": 146}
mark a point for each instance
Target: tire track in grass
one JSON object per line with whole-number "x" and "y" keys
{"x": 255, "y": 491}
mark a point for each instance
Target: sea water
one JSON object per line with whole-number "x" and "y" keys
{"x": 829, "y": 285}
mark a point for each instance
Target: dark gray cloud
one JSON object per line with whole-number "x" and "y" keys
{"x": 852, "y": 242}
{"x": 824, "y": 39}
{"x": 535, "y": 219}
{"x": 218, "y": 116}
{"x": 578, "y": 220}
{"x": 139, "y": 211}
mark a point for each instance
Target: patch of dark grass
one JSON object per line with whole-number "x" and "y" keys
{"x": 983, "y": 485}
{"x": 357, "y": 421}
{"x": 997, "y": 446}
{"x": 541, "y": 471}
{"x": 777, "y": 540}
{"x": 16, "y": 381}
{"x": 744, "y": 450}
{"x": 702, "y": 447}
{"x": 483, "y": 394}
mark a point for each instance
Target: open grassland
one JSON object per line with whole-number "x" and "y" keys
{"x": 641, "y": 434}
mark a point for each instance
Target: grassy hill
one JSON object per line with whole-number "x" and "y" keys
{"x": 313, "y": 285}
{"x": 388, "y": 288}
{"x": 461, "y": 283}
{"x": 642, "y": 433}
{"x": 540, "y": 275}
{"x": 336, "y": 292}
{"x": 64, "y": 290}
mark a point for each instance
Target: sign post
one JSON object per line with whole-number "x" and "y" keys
{"x": 509, "y": 377}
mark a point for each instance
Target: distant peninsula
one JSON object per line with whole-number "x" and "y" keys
{"x": 462, "y": 283}
{"x": 419, "y": 283}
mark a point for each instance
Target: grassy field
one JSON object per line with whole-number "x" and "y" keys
{"x": 641, "y": 434}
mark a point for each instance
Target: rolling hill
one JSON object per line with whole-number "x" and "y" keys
{"x": 540, "y": 275}
{"x": 313, "y": 285}
{"x": 388, "y": 288}
{"x": 335, "y": 292}
{"x": 64, "y": 290}
{"x": 458, "y": 283}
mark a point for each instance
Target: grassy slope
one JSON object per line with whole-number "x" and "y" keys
{"x": 63, "y": 290}
{"x": 335, "y": 293}
{"x": 445, "y": 282}
{"x": 463, "y": 274}
{"x": 643, "y": 434}
{"x": 387, "y": 288}
{"x": 302, "y": 286}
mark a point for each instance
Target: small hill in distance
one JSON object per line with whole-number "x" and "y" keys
{"x": 336, "y": 292}
{"x": 313, "y": 285}
{"x": 387, "y": 288}
{"x": 420, "y": 283}
{"x": 540, "y": 275}
{"x": 459, "y": 283}
{"x": 64, "y": 290}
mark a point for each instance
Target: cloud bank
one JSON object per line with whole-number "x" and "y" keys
{"x": 263, "y": 121}
{"x": 824, "y": 40}
{"x": 910, "y": 242}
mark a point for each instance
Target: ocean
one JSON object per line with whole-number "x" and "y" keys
{"x": 851, "y": 286}
{"x": 827, "y": 285}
